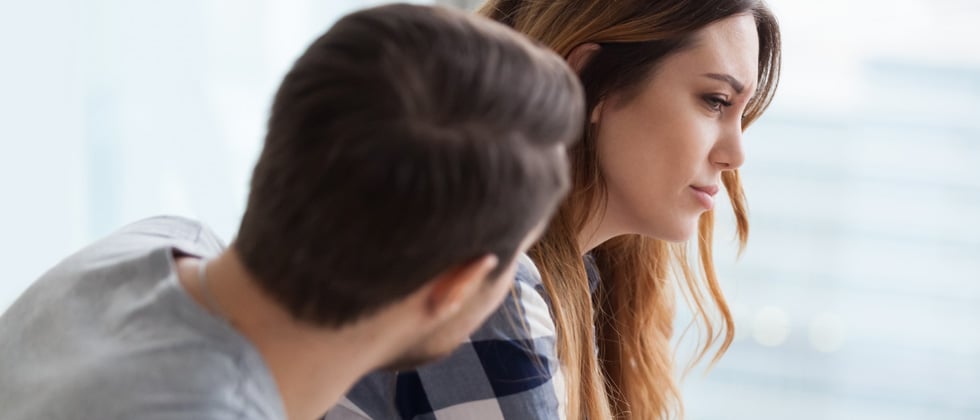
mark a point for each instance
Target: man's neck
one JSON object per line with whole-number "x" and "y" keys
{"x": 313, "y": 367}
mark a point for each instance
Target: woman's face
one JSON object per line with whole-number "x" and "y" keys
{"x": 663, "y": 150}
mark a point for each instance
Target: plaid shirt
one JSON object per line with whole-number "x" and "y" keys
{"x": 507, "y": 370}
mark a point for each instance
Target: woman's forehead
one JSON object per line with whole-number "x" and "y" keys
{"x": 727, "y": 47}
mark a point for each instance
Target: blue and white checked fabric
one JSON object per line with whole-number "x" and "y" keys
{"x": 507, "y": 370}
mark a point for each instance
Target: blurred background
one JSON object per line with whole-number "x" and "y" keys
{"x": 858, "y": 296}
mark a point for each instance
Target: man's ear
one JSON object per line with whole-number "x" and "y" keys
{"x": 580, "y": 57}
{"x": 452, "y": 288}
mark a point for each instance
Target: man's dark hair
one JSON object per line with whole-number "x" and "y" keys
{"x": 405, "y": 141}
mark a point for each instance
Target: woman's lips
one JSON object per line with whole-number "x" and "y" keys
{"x": 705, "y": 195}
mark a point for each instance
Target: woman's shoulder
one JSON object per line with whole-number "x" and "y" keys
{"x": 525, "y": 313}
{"x": 507, "y": 369}
{"x": 527, "y": 272}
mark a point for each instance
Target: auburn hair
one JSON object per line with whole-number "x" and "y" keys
{"x": 629, "y": 318}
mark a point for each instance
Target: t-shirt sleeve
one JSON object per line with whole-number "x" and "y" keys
{"x": 508, "y": 369}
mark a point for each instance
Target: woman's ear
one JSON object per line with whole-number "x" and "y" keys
{"x": 596, "y": 113}
{"x": 581, "y": 55}
{"x": 577, "y": 60}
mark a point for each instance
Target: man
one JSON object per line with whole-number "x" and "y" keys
{"x": 412, "y": 154}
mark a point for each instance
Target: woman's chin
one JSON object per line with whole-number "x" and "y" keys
{"x": 677, "y": 239}
{"x": 677, "y": 233}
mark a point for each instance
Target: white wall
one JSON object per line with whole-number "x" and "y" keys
{"x": 114, "y": 110}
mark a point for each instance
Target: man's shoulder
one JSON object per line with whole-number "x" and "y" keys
{"x": 110, "y": 324}
{"x": 132, "y": 242}
{"x": 173, "y": 228}
{"x": 186, "y": 380}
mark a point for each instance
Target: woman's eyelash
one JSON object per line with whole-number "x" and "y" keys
{"x": 716, "y": 103}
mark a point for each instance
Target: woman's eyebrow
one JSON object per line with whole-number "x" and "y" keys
{"x": 738, "y": 86}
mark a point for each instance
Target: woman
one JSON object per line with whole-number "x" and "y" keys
{"x": 670, "y": 86}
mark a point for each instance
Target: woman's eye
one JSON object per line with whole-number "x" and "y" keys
{"x": 716, "y": 103}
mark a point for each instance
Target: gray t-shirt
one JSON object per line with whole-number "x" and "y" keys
{"x": 109, "y": 333}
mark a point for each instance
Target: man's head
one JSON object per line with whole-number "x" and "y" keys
{"x": 411, "y": 152}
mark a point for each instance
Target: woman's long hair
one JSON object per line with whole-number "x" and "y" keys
{"x": 629, "y": 319}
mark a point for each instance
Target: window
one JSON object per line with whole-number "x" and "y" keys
{"x": 858, "y": 296}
